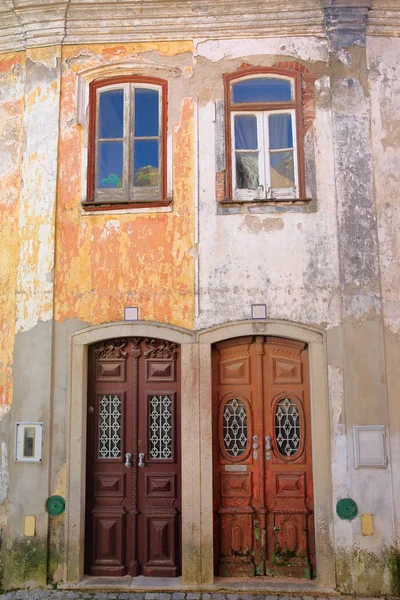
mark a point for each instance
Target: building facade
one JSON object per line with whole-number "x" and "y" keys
{"x": 200, "y": 350}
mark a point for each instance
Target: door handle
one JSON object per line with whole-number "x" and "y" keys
{"x": 141, "y": 462}
{"x": 255, "y": 446}
{"x": 128, "y": 459}
{"x": 268, "y": 447}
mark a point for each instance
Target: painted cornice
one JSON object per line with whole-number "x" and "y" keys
{"x": 33, "y": 23}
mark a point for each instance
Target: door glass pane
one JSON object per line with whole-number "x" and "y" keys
{"x": 146, "y": 113}
{"x": 145, "y": 158}
{"x": 245, "y": 132}
{"x": 262, "y": 89}
{"x": 247, "y": 177}
{"x": 280, "y": 131}
{"x": 110, "y": 412}
{"x": 287, "y": 427}
{"x": 109, "y": 164}
{"x": 282, "y": 169}
{"x": 234, "y": 425}
{"x": 160, "y": 427}
{"x": 111, "y": 114}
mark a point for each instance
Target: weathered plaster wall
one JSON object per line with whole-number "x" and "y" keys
{"x": 335, "y": 268}
{"x": 12, "y": 89}
{"x": 32, "y": 273}
{"x": 149, "y": 251}
{"x": 384, "y": 84}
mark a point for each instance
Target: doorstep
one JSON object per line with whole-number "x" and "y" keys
{"x": 257, "y": 585}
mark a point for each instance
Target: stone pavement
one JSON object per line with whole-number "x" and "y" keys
{"x": 33, "y": 594}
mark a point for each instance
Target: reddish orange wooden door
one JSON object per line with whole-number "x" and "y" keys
{"x": 263, "y": 491}
{"x": 133, "y": 487}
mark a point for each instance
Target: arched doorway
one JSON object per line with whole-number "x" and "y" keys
{"x": 263, "y": 485}
{"x": 133, "y": 458}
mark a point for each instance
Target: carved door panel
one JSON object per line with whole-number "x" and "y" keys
{"x": 263, "y": 498}
{"x": 133, "y": 459}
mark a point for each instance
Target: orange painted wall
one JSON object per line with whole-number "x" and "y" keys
{"x": 107, "y": 261}
{"x": 11, "y": 140}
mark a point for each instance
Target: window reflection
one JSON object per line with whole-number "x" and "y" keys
{"x": 262, "y": 89}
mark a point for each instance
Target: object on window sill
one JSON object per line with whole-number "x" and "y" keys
{"x": 118, "y": 205}
{"x": 268, "y": 201}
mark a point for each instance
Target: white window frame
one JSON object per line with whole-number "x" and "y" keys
{"x": 128, "y": 193}
{"x": 264, "y": 191}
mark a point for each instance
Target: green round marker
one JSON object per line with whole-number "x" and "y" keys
{"x": 347, "y": 509}
{"x": 55, "y": 505}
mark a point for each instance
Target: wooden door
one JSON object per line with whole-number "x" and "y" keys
{"x": 263, "y": 491}
{"x": 133, "y": 486}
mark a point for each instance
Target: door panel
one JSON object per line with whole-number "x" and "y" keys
{"x": 133, "y": 458}
{"x": 263, "y": 496}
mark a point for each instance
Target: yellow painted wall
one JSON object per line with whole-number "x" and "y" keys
{"x": 11, "y": 139}
{"x": 107, "y": 261}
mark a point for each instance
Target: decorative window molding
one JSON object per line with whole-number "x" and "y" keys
{"x": 118, "y": 69}
{"x": 264, "y": 136}
{"x": 127, "y": 142}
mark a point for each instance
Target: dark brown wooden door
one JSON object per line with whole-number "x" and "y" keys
{"x": 263, "y": 490}
{"x": 133, "y": 491}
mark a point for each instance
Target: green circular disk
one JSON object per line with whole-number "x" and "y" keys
{"x": 346, "y": 508}
{"x": 55, "y": 505}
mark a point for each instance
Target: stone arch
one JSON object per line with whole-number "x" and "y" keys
{"x": 315, "y": 339}
{"x": 76, "y": 427}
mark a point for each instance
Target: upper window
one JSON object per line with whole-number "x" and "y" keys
{"x": 264, "y": 155}
{"x": 127, "y": 141}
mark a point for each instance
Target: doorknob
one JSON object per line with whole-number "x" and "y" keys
{"x": 128, "y": 459}
{"x": 141, "y": 462}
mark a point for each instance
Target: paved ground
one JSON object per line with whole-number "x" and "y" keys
{"x": 92, "y": 595}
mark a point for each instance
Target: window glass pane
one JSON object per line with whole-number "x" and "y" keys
{"x": 282, "y": 169}
{"x": 111, "y": 114}
{"x": 109, "y": 164}
{"x": 287, "y": 427}
{"x": 245, "y": 132}
{"x": 280, "y": 131}
{"x": 247, "y": 170}
{"x": 145, "y": 158}
{"x": 262, "y": 89}
{"x": 234, "y": 428}
{"x": 146, "y": 112}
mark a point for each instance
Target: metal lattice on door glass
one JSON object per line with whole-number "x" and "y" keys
{"x": 160, "y": 425}
{"x": 287, "y": 427}
{"x": 110, "y": 426}
{"x": 235, "y": 427}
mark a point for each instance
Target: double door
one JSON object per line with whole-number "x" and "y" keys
{"x": 133, "y": 495}
{"x": 263, "y": 491}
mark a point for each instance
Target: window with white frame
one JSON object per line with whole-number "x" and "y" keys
{"x": 263, "y": 136}
{"x": 127, "y": 141}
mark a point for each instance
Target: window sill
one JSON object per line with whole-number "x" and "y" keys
{"x": 126, "y": 207}
{"x": 231, "y": 207}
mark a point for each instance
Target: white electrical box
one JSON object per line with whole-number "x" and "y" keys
{"x": 369, "y": 446}
{"x": 28, "y": 441}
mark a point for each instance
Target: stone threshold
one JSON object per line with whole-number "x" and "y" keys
{"x": 258, "y": 585}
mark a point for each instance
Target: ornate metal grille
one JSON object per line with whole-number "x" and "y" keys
{"x": 287, "y": 427}
{"x": 160, "y": 425}
{"x": 235, "y": 427}
{"x": 110, "y": 426}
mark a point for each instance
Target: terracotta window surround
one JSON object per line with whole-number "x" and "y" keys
{"x": 226, "y": 194}
{"x": 125, "y": 194}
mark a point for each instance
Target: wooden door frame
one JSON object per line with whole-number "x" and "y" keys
{"x": 76, "y": 436}
{"x": 320, "y": 433}
{"x": 196, "y": 403}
